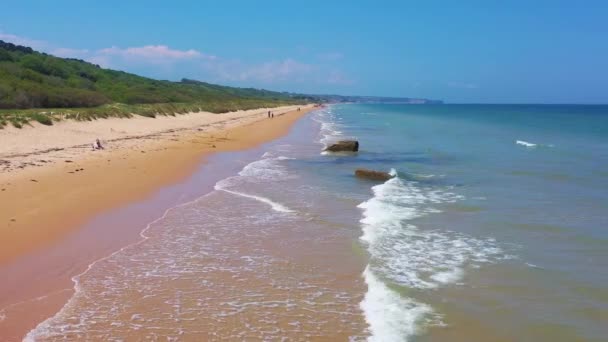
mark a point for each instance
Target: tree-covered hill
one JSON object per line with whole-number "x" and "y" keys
{"x": 35, "y": 86}
{"x": 30, "y": 79}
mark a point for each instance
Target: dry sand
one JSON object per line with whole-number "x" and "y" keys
{"x": 51, "y": 180}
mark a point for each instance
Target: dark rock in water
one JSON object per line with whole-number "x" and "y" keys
{"x": 373, "y": 175}
{"x": 344, "y": 146}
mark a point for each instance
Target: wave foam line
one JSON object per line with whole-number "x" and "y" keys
{"x": 390, "y": 316}
{"x": 525, "y": 143}
{"x": 45, "y": 325}
{"x": 275, "y": 206}
{"x": 39, "y": 298}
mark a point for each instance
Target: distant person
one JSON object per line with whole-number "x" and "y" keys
{"x": 272, "y": 115}
{"x": 98, "y": 145}
{"x": 269, "y": 114}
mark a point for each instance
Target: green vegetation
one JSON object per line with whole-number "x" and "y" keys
{"x": 38, "y": 87}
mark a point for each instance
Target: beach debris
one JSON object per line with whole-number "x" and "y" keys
{"x": 33, "y": 180}
{"x": 344, "y": 146}
{"x": 68, "y": 161}
{"x": 373, "y": 174}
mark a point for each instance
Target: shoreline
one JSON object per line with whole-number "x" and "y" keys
{"x": 131, "y": 176}
{"x": 65, "y": 182}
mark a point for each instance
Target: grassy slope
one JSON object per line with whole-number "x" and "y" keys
{"x": 44, "y": 88}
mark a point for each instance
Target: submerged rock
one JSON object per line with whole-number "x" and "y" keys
{"x": 344, "y": 146}
{"x": 373, "y": 174}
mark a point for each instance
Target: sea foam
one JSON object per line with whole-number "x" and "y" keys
{"x": 274, "y": 205}
{"x": 263, "y": 170}
{"x": 390, "y": 316}
{"x": 408, "y": 256}
{"x": 525, "y": 143}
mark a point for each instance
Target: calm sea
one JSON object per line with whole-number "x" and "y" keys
{"x": 495, "y": 228}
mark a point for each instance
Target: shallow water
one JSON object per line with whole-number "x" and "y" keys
{"x": 497, "y": 226}
{"x": 494, "y": 229}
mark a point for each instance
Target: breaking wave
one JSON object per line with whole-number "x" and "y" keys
{"x": 408, "y": 256}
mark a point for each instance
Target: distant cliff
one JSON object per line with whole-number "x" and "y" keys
{"x": 370, "y": 99}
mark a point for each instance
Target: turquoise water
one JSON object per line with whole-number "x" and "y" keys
{"x": 495, "y": 229}
{"x": 499, "y": 216}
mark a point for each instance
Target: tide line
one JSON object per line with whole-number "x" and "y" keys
{"x": 275, "y": 206}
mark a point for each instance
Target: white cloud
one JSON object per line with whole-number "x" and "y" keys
{"x": 153, "y": 53}
{"x": 161, "y": 55}
{"x": 103, "y": 61}
{"x": 69, "y": 53}
{"x": 275, "y": 71}
{"x": 267, "y": 72}
{"x": 193, "y": 63}
{"x": 286, "y": 70}
{"x": 18, "y": 40}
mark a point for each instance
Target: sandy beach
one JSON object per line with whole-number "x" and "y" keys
{"x": 52, "y": 182}
{"x": 52, "y": 174}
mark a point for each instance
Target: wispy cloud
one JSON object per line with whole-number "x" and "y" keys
{"x": 116, "y": 57}
{"x": 165, "y": 60}
{"x": 18, "y": 40}
{"x": 70, "y": 53}
{"x": 269, "y": 72}
{"x": 153, "y": 53}
{"x": 287, "y": 70}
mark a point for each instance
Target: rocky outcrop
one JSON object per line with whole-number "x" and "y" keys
{"x": 344, "y": 146}
{"x": 373, "y": 175}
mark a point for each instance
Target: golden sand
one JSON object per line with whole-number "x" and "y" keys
{"x": 41, "y": 205}
{"x": 70, "y": 182}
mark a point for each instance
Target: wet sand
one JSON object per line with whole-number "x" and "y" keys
{"x": 43, "y": 244}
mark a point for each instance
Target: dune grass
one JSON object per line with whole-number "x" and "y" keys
{"x": 47, "y": 116}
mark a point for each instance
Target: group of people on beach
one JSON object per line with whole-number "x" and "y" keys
{"x": 271, "y": 113}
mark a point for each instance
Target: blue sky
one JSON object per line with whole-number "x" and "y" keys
{"x": 485, "y": 51}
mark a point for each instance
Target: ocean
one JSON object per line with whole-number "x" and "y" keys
{"x": 494, "y": 228}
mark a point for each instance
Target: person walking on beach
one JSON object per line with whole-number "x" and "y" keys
{"x": 268, "y": 114}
